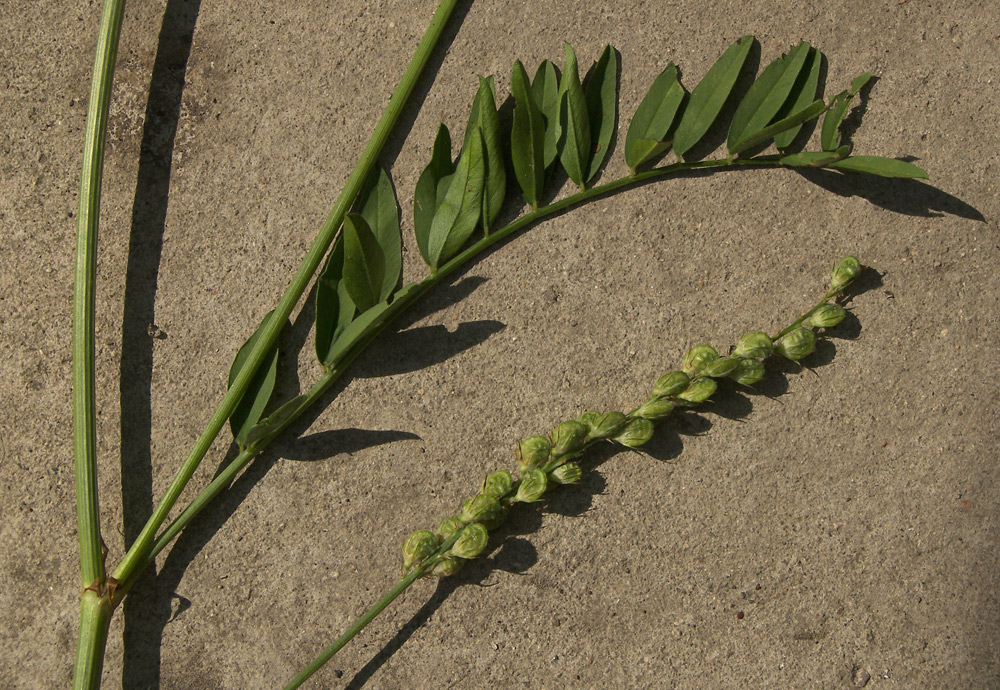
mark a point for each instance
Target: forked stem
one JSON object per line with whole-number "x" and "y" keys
{"x": 138, "y": 552}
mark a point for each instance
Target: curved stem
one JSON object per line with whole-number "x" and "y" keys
{"x": 138, "y": 551}
{"x": 398, "y": 306}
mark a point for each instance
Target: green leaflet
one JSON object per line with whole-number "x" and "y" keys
{"x": 876, "y": 165}
{"x": 815, "y": 159}
{"x": 765, "y": 97}
{"x": 364, "y": 263}
{"x": 459, "y": 208}
{"x": 429, "y": 188}
{"x": 258, "y": 393}
{"x": 802, "y": 95}
{"x": 710, "y": 95}
{"x": 601, "y": 92}
{"x": 334, "y": 307}
{"x": 484, "y": 116}
{"x": 781, "y": 126}
{"x": 545, "y": 88}
{"x": 647, "y": 133}
{"x": 274, "y": 420}
{"x": 356, "y": 331}
{"x": 527, "y": 137}
{"x": 377, "y": 205}
{"x": 574, "y": 121}
{"x": 830, "y": 136}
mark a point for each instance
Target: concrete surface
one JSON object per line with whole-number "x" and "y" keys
{"x": 840, "y": 531}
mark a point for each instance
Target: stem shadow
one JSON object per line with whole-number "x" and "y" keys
{"x": 149, "y": 209}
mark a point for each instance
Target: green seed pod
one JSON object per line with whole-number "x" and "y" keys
{"x": 608, "y": 425}
{"x": 568, "y": 437}
{"x": 449, "y": 526}
{"x": 700, "y": 390}
{"x": 497, "y": 484}
{"x": 636, "y": 432}
{"x": 846, "y": 270}
{"x": 656, "y": 408}
{"x": 418, "y": 546}
{"x": 670, "y": 384}
{"x": 601, "y": 426}
{"x": 720, "y": 367}
{"x": 756, "y": 345}
{"x": 569, "y": 473}
{"x": 796, "y": 344}
{"x": 471, "y": 541}
{"x": 826, "y": 316}
{"x": 747, "y": 372}
{"x": 533, "y": 452}
{"x": 481, "y": 508}
{"x": 589, "y": 419}
{"x": 697, "y": 357}
{"x": 448, "y": 565}
{"x": 533, "y": 485}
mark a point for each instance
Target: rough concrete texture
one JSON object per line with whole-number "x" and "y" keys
{"x": 837, "y": 530}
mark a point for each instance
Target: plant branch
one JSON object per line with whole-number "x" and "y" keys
{"x": 699, "y": 371}
{"x": 398, "y": 306}
{"x": 138, "y": 551}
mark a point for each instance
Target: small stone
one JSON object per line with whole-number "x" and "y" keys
{"x": 861, "y": 678}
{"x": 739, "y": 615}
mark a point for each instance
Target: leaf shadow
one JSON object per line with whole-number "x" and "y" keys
{"x": 907, "y": 197}
{"x": 402, "y": 352}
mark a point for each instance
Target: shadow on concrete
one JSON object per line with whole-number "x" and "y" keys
{"x": 149, "y": 210}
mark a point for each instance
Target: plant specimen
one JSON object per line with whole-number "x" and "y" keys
{"x": 561, "y": 124}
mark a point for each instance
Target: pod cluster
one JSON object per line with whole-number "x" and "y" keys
{"x": 547, "y": 461}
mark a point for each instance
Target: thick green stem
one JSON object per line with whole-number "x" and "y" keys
{"x": 95, "y": 617}
{"x": 95, "y": 608}
{"x": 85, "y": 280}
{"x": 138, "y": 551}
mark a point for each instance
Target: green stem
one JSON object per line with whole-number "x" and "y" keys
{"x": 85, "y": 281}
{"x": 369, "y": 615}
{"x": 138, "y": 551}
{"x": 95, "y": 609}
{"x": 337, "y": 368}
{"x": 95, "y": 617}
{"x": 798, "y": 322}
